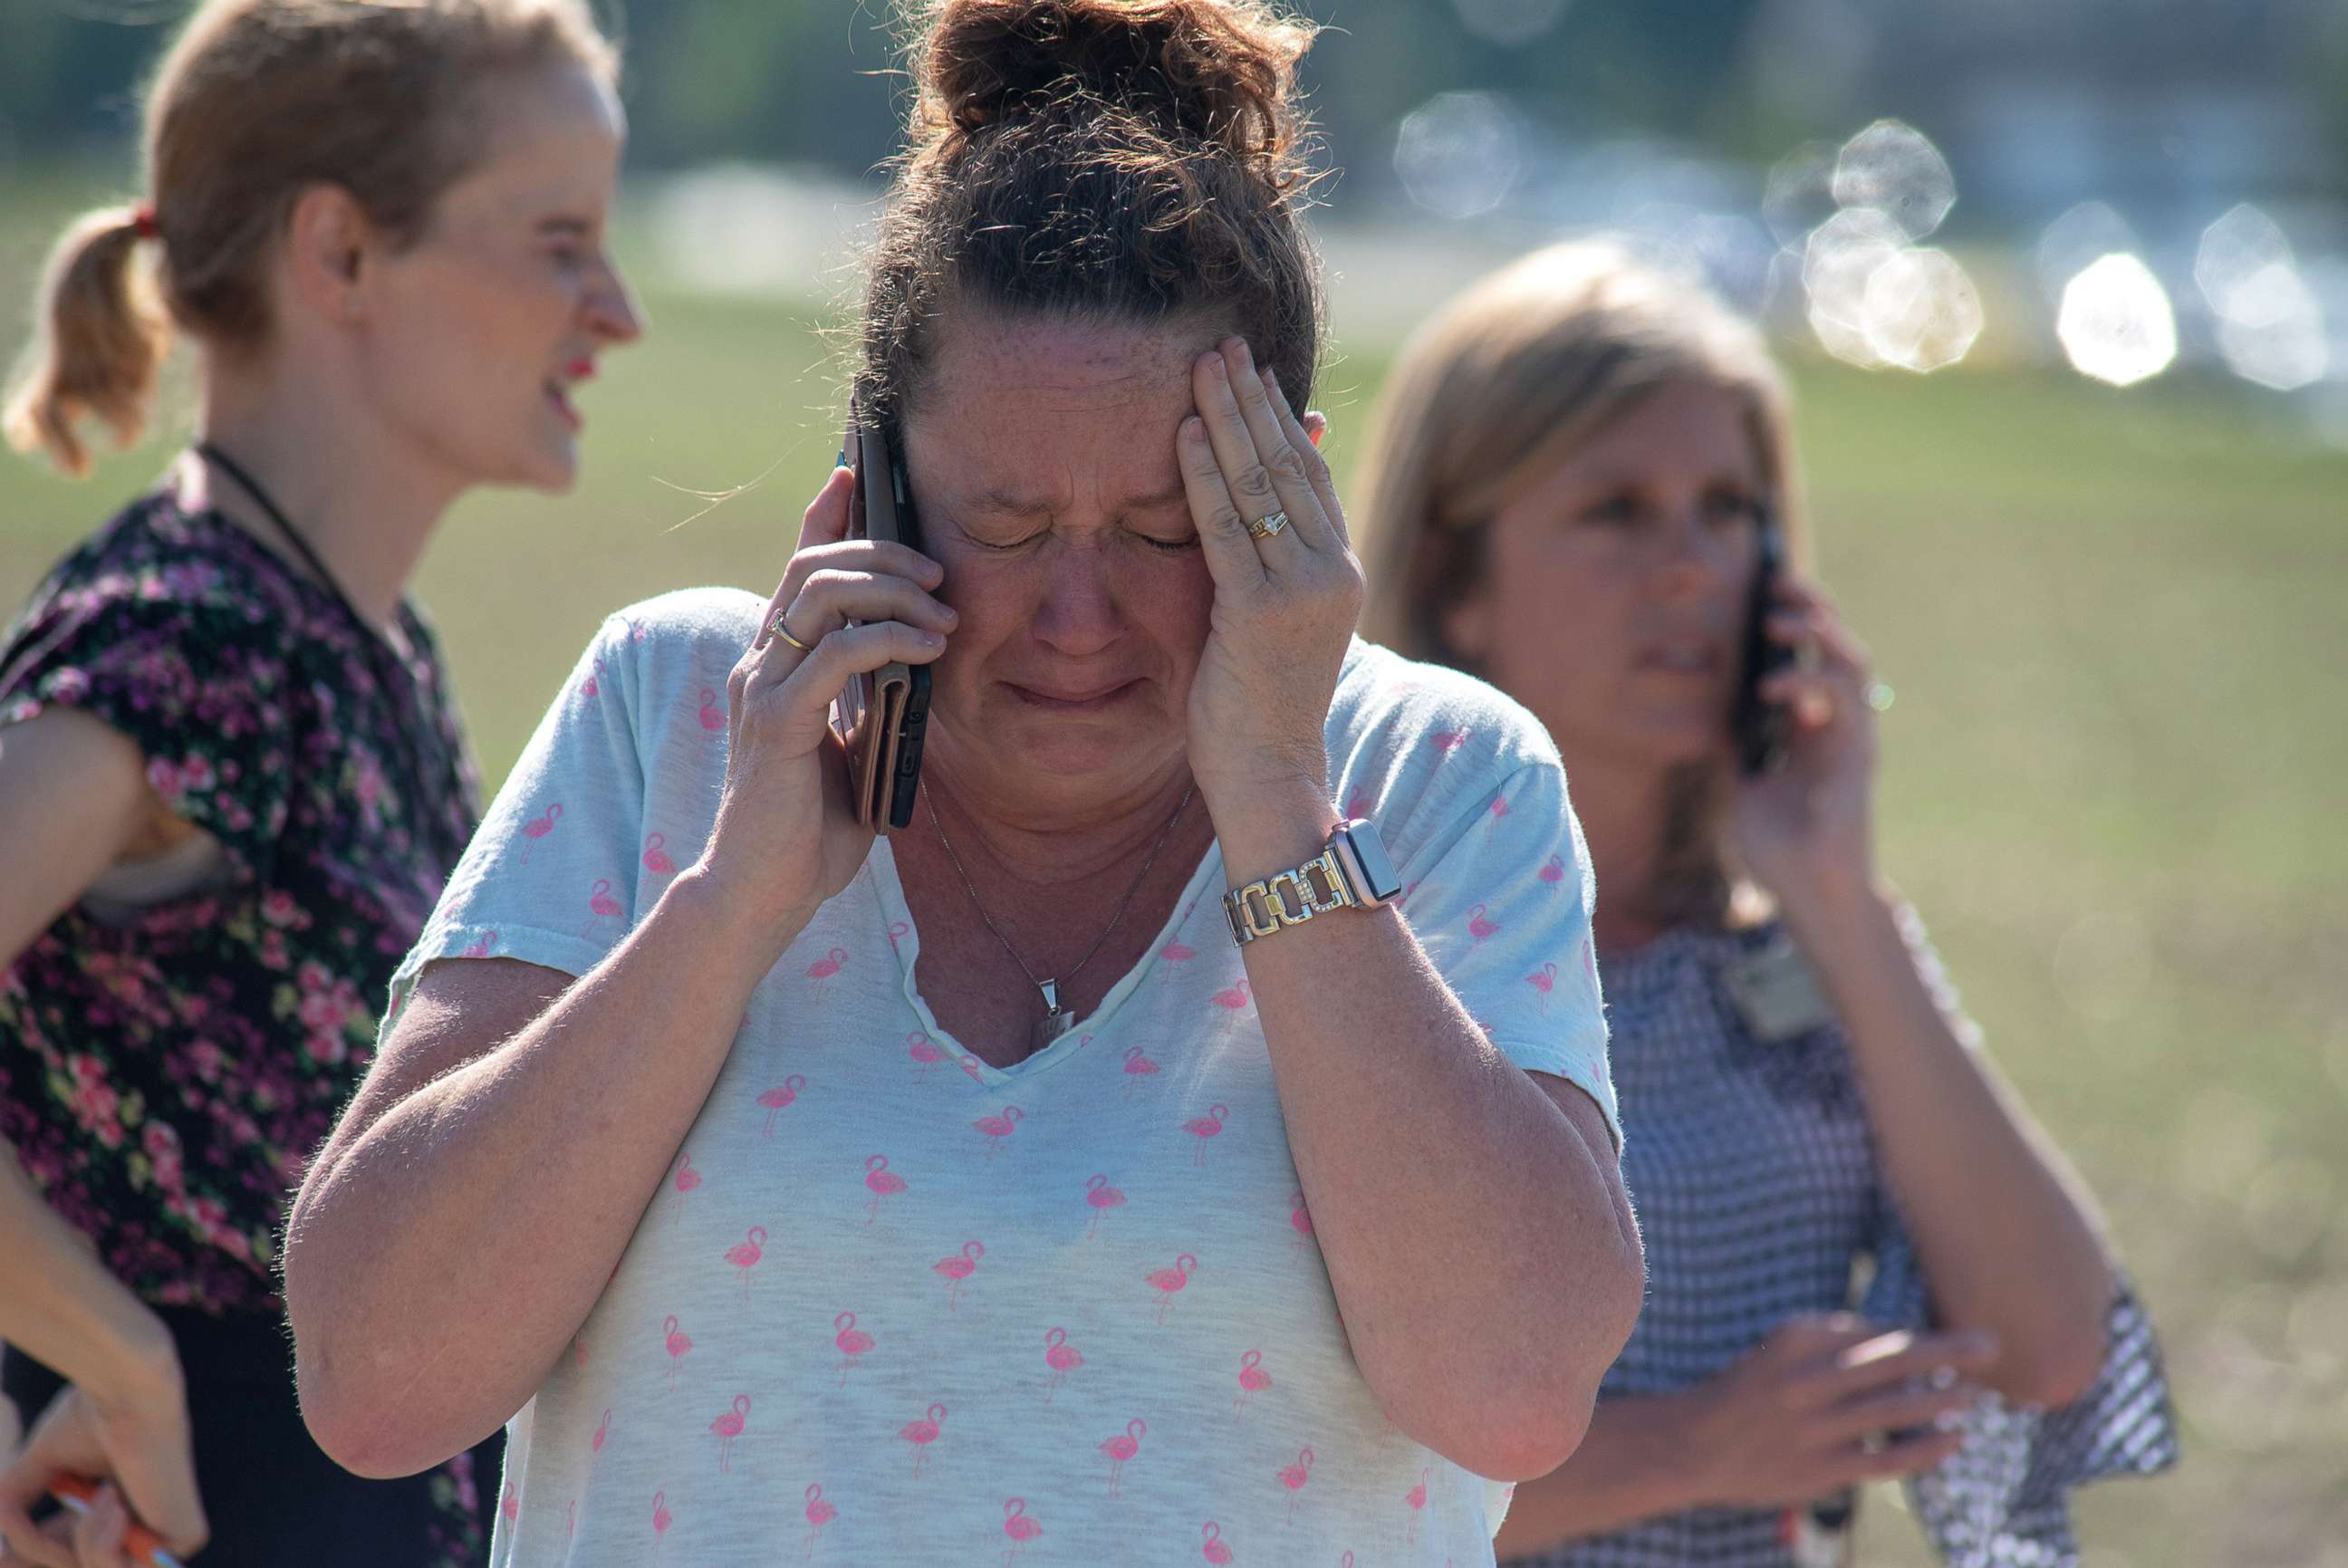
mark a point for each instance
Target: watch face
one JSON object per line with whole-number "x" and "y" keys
{"x": 1370, "y": 851}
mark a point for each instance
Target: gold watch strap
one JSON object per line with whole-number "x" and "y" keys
{"x": 1290, "y": 898}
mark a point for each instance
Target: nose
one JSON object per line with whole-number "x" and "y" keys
{"x": 1697, "y": 556}
{"x": 613, "y": 312}
{"x": 1077, "y": 616}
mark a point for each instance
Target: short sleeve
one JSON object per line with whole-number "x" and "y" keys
{"x": 1501, "y": 900}
{"x": 552, "y": 875}
{"x": 198, "y": 685}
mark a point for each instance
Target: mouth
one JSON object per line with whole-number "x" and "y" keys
{"x": 558, "y": 392}
{"x": 1073, "y": 701}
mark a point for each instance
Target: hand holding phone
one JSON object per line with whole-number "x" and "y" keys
{"x": 1759, "y": 726}
{"x": 881, "y": 717}
{"x": 139, "y": 1544}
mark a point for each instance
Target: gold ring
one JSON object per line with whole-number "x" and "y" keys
{"x": 1264, "y": 527}
{"x": 784, "y": 631}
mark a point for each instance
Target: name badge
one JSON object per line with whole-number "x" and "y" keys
{"x": 1777, "y": 992}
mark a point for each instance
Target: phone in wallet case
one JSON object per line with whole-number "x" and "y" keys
{"x": 882, "y": 716}
{"x": 1759, "y": 726}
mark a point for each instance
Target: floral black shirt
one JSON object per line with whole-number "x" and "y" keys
{"x": 164, "y": 1072}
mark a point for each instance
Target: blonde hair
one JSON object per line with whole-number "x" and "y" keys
{"x": 257, "y": 101}
{"x": 1501, "y": 386}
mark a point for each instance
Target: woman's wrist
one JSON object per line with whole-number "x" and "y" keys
{"x": 732, "y": 932}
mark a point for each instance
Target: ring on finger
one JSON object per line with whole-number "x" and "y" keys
{"x": 1266, "y": 527}
{"x": 781, "y": 627}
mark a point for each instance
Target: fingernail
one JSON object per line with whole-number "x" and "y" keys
{"x": 932, "y": 639}
{"x": 840, "y": 461}
{"x": 1193, "y": 426}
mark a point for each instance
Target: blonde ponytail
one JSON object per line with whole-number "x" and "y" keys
{"x": 100, "y": 332}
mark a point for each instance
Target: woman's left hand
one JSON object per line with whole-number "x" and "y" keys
{"x": 1805, "y": 828}
{"x": 1285, "y": 605}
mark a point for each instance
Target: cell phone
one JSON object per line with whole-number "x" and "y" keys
{"x": 1758, "y": 726}
{"x": 882, "y": 716}
{"x": 140, "y": 1543}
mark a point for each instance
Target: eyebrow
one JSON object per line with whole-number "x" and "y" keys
{"x": 578, "y": 226}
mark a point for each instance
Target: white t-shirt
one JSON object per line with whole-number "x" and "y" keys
{"x": 891, "y": 1305}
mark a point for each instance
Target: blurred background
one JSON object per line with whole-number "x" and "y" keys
{"x": 2064, "y": 288}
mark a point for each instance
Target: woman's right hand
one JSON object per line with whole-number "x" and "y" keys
{"x": 1829, "y": 1401}
{"x": 141, "y": 1452}
{"x": 787, "y": 837}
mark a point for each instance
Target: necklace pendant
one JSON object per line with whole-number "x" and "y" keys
{"x": 1051, "y": 989}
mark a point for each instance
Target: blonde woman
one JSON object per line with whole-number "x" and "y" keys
{"x": 1574, "y": 478}
{"x": 232, "y": 778}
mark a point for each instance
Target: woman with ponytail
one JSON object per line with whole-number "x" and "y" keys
{"x": 1101, "y": 1167}
{"x": 232, "y": 777}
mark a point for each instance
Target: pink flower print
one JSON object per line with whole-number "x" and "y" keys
{"x": 662, "y": 1517}
{"x": 1018, "y": 1526}
{"x": 1120, "y": 1449}
{"x": 853, "y": 1342}
{"x": 956, "y": 1270}
{"x": 897, "y": 932}
{"x": 820, "y": 972}
{"x": 480, "y": 946}
{"x": 1543, "y": 980}
{"x": 745, "y": 1255}
{"x": 538, "y": 827}
{"x": 1139, "y": 1068}
{"x": 685, "y": 1180}
{"x": 1169, "y": 1283}
{"x": 1300, "y": 1220}
{"x": 1175, "y": 955}
{"x": 1203, "y": 1128}
{"x": 729, "y": 1427}
{"x": 1101, "y": 1197}
{"x": 678, "y": 1344}
{"x": 1062, "y": 1357}
{"x": 924, "y": 1051}
{"x": 1357, "y": 803}
{"x": 593, "y": 685}
{"x": 1417, "y": 1498}
{"x": 1553, "y": 870}
{"x": 969, "y": 1066}
{"x": 1293, "y": 1478}
{"x": 1479, "y": 926}
{"x": 883, "y": 1181}
{"x": 1447, "y": 741}
{"x": 921, "y": 1434}
{"x": 655, "y": 857}
{"x": 601, "y": 904}
{"x": 1214, "y": 1551}
{"x": 775, "y": 1099}
{"x": 1254, "y": 1378}
{"x": 1234, "y": 999}
{"x": 713, "y": 712}
{"x": 998, "y": 1127}
{"x": 510, "y": 1505}
{"x": 818, "y": 1515}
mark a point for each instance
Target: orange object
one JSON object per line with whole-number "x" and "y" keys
{"x": 142, "y": 1543}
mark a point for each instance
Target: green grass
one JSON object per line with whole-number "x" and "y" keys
{"x": 2111, "y": 781}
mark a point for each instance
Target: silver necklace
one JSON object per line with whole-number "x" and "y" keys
{"x": 1056, "y": 1020}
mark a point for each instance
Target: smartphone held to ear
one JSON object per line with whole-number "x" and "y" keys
{"x": 882, "y": 716}
{"x": 1759, "y": 726}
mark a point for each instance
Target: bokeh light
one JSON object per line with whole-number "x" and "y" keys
{"x": 2270, "y": 326}
{"x": 1510, "y": 22}
{"x": 1459, "y": 154}
{"x": 2115, "y": 323}
{"x": 1895, "y": 169}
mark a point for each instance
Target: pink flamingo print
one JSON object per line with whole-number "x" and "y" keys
{"x": 1477, "y": 926}
{"x": 1543, "y": 980}
{"x": 745, "y": 1255}
{"x": 1553, "y": 870}
{"x": 1169, "y": 1283}
{"x": 883, "y": 1183}
{"x": 921, "y": 1434}
{"x": 1447, "y": 741}
{"x": 593, "y": 685}
{"x": 998, "y": 1127}
{"x": 1346, "y": 1561}
{"x": 1203, "y": 1128}
{"x": 510, "y": 1504}
{"x": 571, "y": 1521}
{"x": 1499, "y": 809}
{"x": 1254, "y": 1378}
{"x": 662, "y": 1517}
{"x": 1018, "y": 1526}
{"x": 1139, "y": 1068}
{"x": 685, "y": 1180}
{"x": 1358, "y": 802}
{"x": 729, "y": 1427}
{"x": 678, "y": 1344}
{"x": 601, "y": 904}
{"x": 1417, "y": 1498}
{"x": 851, "y": 1341}
{"x": 958, "y": 1269}
{"x": 824, "y": 968}
{"x": 480, "y": 946}
{"x": 1233, "y": 999}
{"x": 897, "y": 932}
{"x": 1121, "y": 1448}
{"x": 1214, "y": 1551}
{"x": 538, "y": 827}
{"x": 1293, "y": 1478}
{"x": 818, "y": 1515}
{"x": 713, "y": 713}
{"x": 602, "y": 1433}
{"x": 775, "y": 1099}
{"x": 970, "y": 1067}
{"x": 1589, "y": 960}
{"x": 1175, "y": 955}
{"x": 657, "y": 859}
{"x": 1101, "y": 1197}
{"x": 1300, "y": 1220}
{"x": 1062, "y": 1357}
{"x": 924, "y": 1051}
